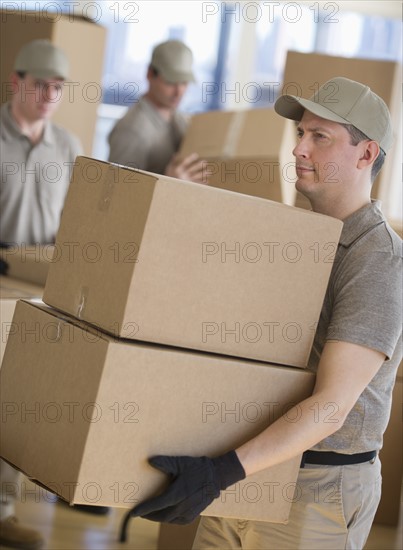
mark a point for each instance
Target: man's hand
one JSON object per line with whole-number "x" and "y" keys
{"x": 190, "y": 168}
{"x": 195, "y": 483}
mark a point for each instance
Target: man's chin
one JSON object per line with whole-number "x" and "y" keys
{"x": 302, "y": 185}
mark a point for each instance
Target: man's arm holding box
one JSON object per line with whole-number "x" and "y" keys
{"x": 344, "y": 371}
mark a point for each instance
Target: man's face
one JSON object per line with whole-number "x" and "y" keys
{"x": 325, "y": 158}
{"x": 165, "y": 94}
{"x": 38, "y": 99}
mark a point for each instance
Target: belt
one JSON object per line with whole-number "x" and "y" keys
{"x": 329, "y": 458}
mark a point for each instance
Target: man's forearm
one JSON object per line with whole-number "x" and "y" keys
{"x": 299, "y": 429}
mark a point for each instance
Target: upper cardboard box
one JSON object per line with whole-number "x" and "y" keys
{"x": 85, "y": 411}
{"x": 163, "y": 260}
{"x": 244, "y": 151}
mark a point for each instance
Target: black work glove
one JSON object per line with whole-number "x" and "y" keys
{"x": 196, "y": 482}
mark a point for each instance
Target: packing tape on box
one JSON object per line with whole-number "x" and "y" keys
{"x": 54, "y": 333}
{"x": 108, "y": 187}
{"x": 234, "y": 132}
{"x": 82, "y": 301}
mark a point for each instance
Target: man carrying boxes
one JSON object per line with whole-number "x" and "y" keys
{"x": 136, "y": 271}
{"x": 355, "y": 353}
{"x": 150, "y": 133}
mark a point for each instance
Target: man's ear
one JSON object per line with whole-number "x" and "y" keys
{"x": 369, "y": 153}
{"x": 150, "y": 73}
{"x": 15, "y": 82}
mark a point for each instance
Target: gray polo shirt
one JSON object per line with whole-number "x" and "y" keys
{"x": 144, "y": 139}
{"x": 34, "y": 180}
{"x": 363, "y": 305}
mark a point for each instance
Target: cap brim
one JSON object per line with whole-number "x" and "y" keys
{"x": 45, "y": 74}
{"x": 292, "y": 107}
{"x": 176, "y": 77}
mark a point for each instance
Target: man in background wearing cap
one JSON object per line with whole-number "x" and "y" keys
{"x": 344, "y": 132}
{"x": 37, "y": 155}
{"x": 149, "y": 135}
{"x": 37, "y": 158}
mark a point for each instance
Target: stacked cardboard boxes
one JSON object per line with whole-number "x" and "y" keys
{"x": 245, "y": 151}
{"x": 12, "y": 290}
{"x": 157, "y": 283}
{"x": 29, "y": 263}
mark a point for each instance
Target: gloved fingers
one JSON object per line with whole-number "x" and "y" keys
{"x": 183, "y": 513}
{"x": 167, "y": 464}
{"x": 174, "y": 465}
{"x": 167, "y": 515}
{"x": 171, "y": 497}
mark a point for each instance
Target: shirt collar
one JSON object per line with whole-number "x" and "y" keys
{"x": 11, "y": 129}
{"x": 153, "y": 112}
{"x": 360, "y": 222}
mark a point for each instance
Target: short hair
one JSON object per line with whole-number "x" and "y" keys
{"x": 154, "y": 71}
{"x": 356, "y": 136}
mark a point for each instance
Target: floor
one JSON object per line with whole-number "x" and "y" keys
{"x": 67, "y": 529}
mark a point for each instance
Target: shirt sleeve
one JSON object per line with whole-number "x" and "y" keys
{"x": 128, "y": 148}
{"x": 367, "y": 302}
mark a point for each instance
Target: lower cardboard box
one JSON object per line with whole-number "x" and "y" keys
{"x": 82, "y": 412}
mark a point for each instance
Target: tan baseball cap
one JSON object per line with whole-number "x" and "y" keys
{"x": 347, "y": 102}
{"x": 173, "y": 60}
{"x": 42, "y": 59}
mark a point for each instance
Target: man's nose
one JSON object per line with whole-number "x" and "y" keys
{"x": 301, "y": 149}
{"x": 51, "y": 93}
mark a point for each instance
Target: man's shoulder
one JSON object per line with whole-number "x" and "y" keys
{"x": 367, "y": 231}
{"x": 137, "y": 119}
{"x": 380, "y": 240}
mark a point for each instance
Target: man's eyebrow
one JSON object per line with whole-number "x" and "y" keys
{"x": 314, "y": 129}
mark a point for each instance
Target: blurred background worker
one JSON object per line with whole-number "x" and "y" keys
{"x": 149, "y": 135}
{"x": 37, "y": 155}
{"x": 37, "y": 158}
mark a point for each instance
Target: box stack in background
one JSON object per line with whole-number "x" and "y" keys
{"x": 12, "y": 290}
{"x": 154, "y": 284}
{"x": 29, "y": 263}
{"x": 251, "y": 151}
{"x": 24, "y": 272}
{"x": 245, "y": 151}
{"x": 83, "y": 42}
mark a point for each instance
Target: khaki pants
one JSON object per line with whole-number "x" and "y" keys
{"x": 333, "y": 508}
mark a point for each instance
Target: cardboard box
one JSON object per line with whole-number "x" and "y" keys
{"x": 28, "y": 263}
{"x": 304, "y": 73}
{"x": 162, "y": 260}
{"x": 83, "y": 42}
{"x": 82, "y": 412}
{"x": 391, "y": 456}
{"x": 244, "y": 151}
{"x": 12, "y": 290}
{"x": 177, "y": 537}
